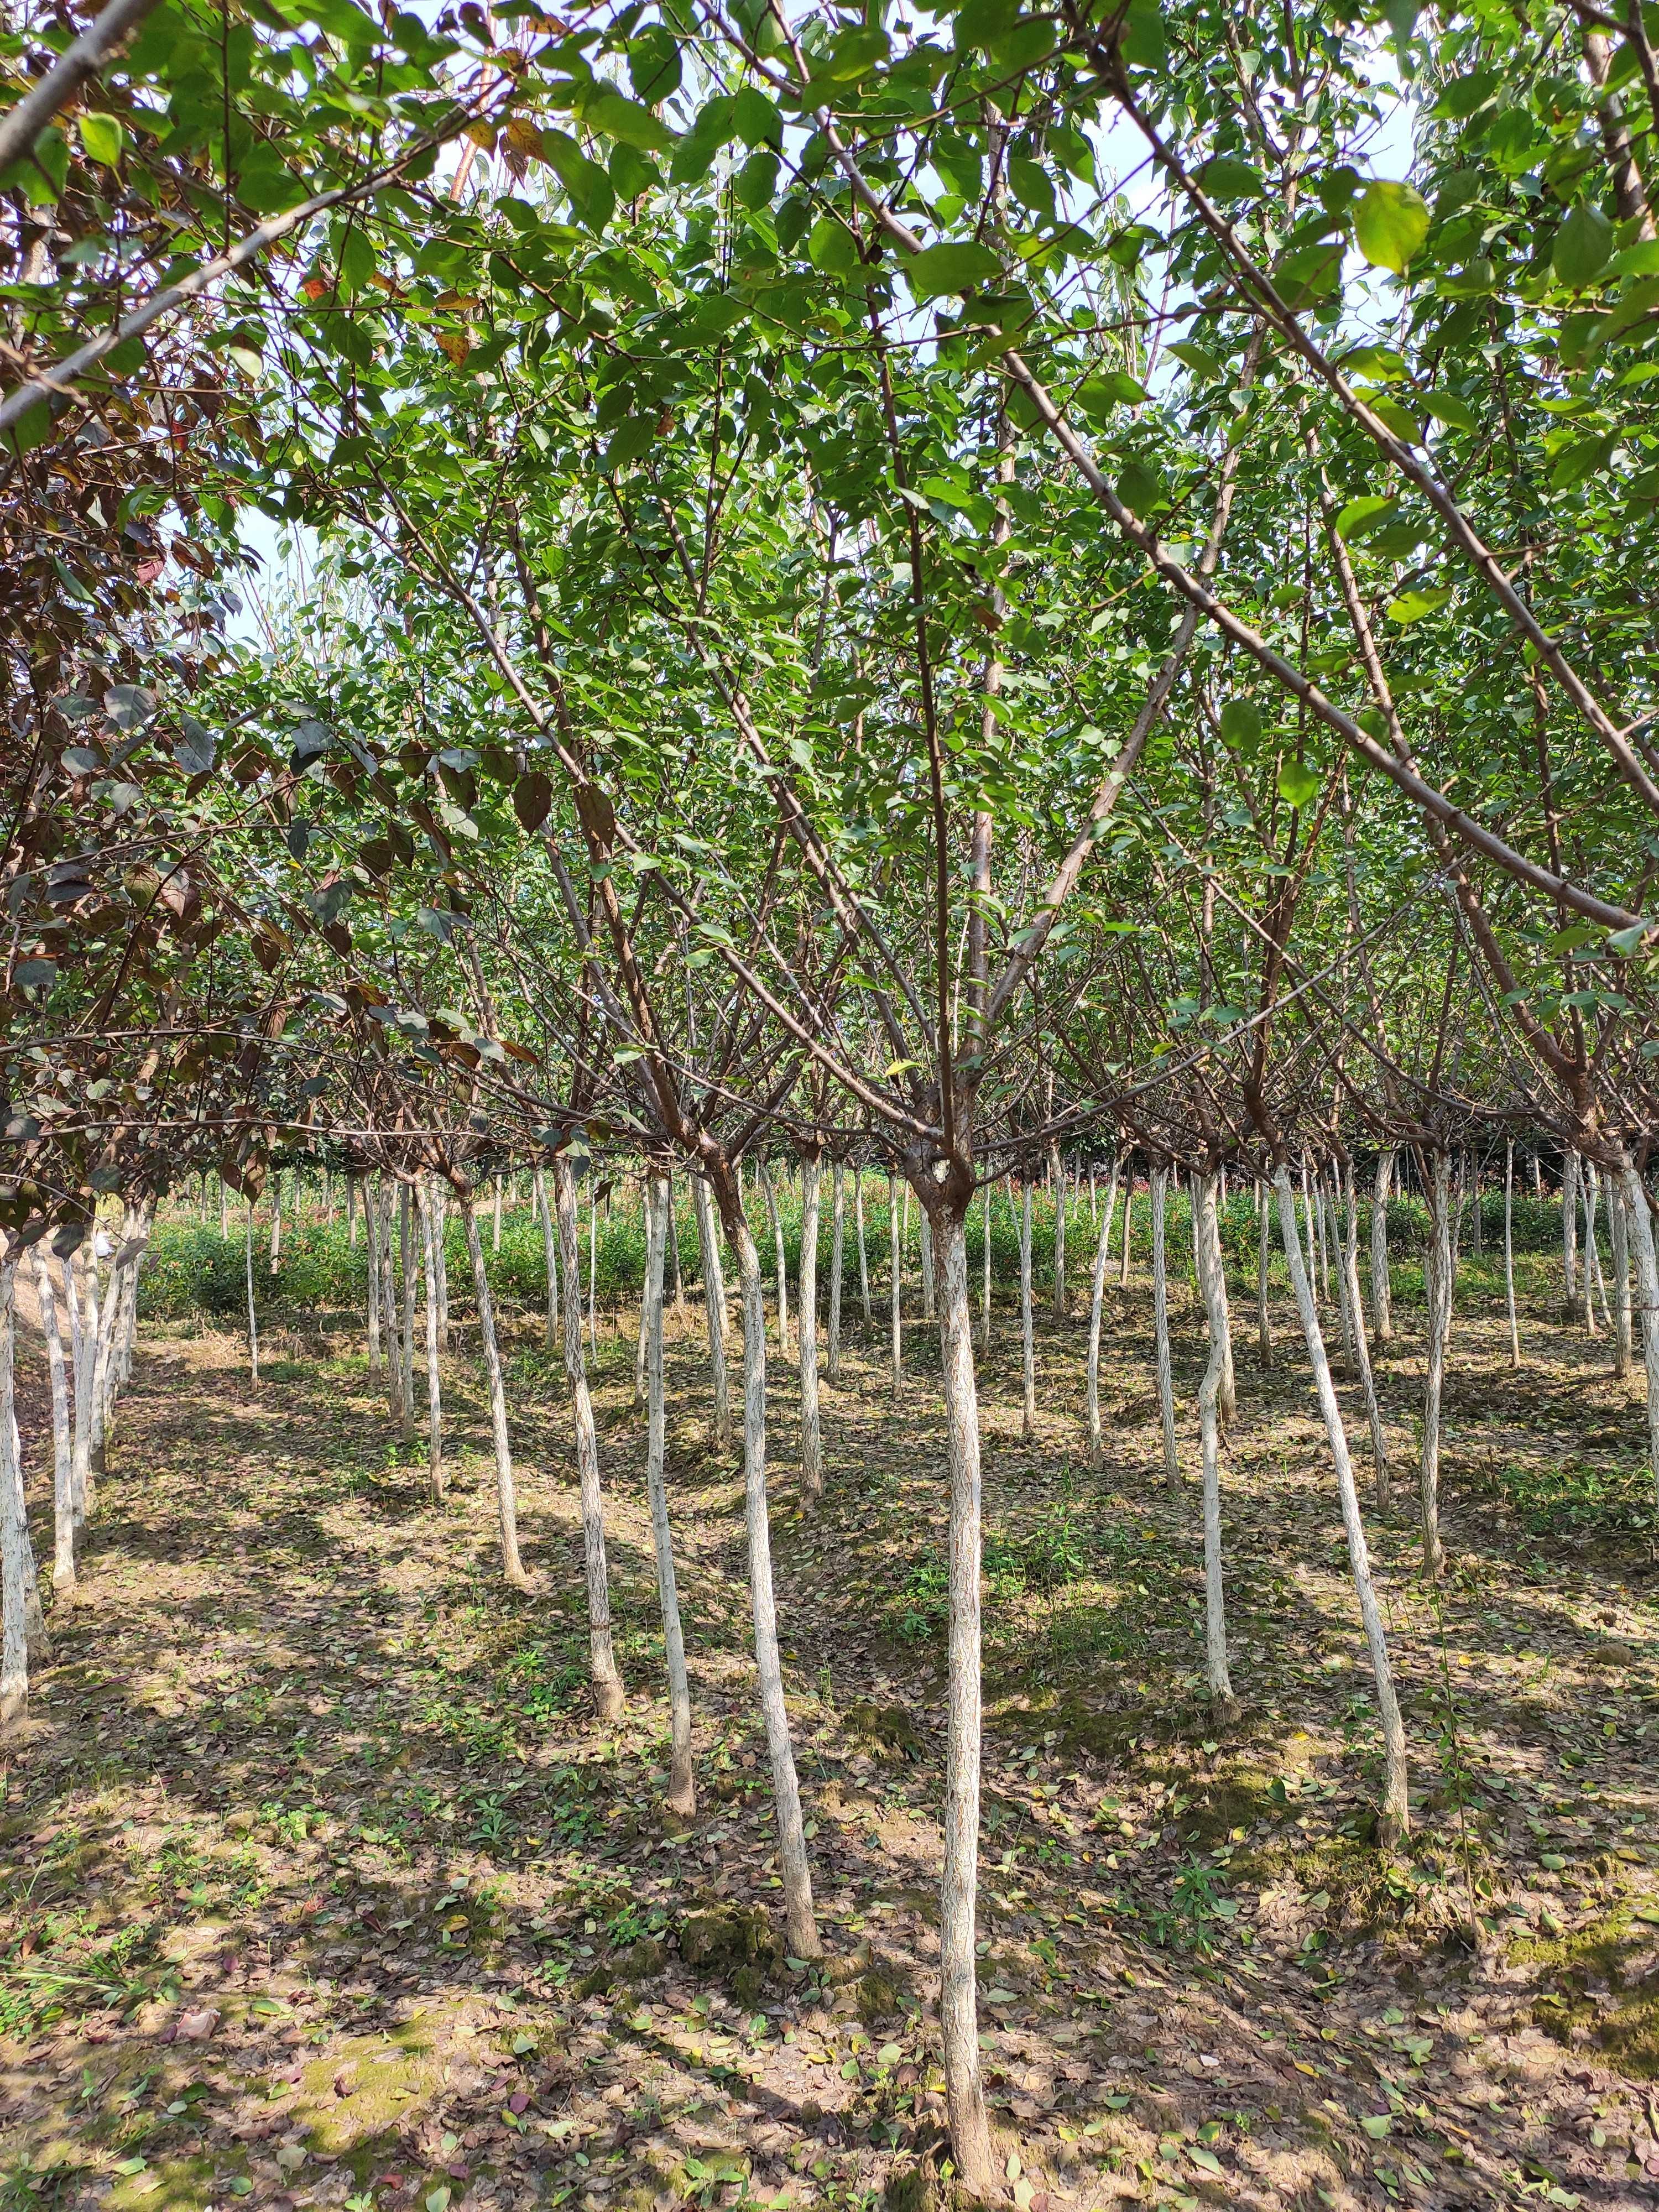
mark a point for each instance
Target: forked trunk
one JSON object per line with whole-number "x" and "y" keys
{"x": 1395, "y": 1813}
{"x": 806, "y": 1332}
{"x": 713, "y": 1299}
{"x": 1439, "y": 1326}
{"x": 434, "y": 1405}
{"x": 63, "y": 1442}
{"x": 1096, "y": 1300}
{"x": 507, "y": 1505}
{"x": 1160, "y": 1186}
{"x": 1027, "y": 1349}
{"x": 971, "y": 2131}
{"x": 602, "y": 1658}
{"x": 658, "y": 1228}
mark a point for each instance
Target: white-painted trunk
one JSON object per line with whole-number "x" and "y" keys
{"x": 506, "y": 1503}
{"x": 1160, "y": 1188}
{"x": 593, "y": 1264}
{"x": 1395, "y": 1813}
{"x": 253, "y": 1317}
{"x": 1027, "y": 1348}
{"x": 659, "y": 1230}
{"x": 807, "y": 1331}
{"x": 435, "y": 1191}
{"x": 406, "y": 1311}
{"x": 1128, "y": 1228}
{"x": 1096, "y": 1301}
{"x": 1640, "y": 1224}
{"x": 1508, "y": 1257}
{"x": 373, "y": 1242}
{"x": 602, "y": 1658}
{"x": 1570, "y": 1227}
{"x": 15, "y": 1561}
{"x": 1382, "y": 1290}
{"x": 63, "y": 1442}
{"x": 792, "y": 1866}
{"x": 837, "y": 1234}
{"x": 775, "y": 1217}
{"x": 1264, "y": 1333}
{"x": 550, "y": 1257}
{"x": 714, "y": 1299}
{"x": 434, "y": 1409}
{"x": 971, "y": 2133}
{"x": 864, "y": 1254}
{"x": 897, "y": 1272}
{"x": 1438, "y": 1272}
{"x": 1350, "y": 1364}
{"x": 496, "y": 1232}
{"x": 1219, "y": 1680}
{"x": 1354, "y": 1314}
{"x": 394, "y": 1343}
{"x": 1057, "y": 1173}
{"x": 1619, "y": 1224}
{"x": 1212, "y": 1266}
{"x": 1597, "y": 1285}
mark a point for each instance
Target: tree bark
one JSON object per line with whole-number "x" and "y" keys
{"x": 550, "y": 1257}
{"x": 1096, "y": 1300}
{"x": 837, "y": 1233}
{"x": 373, "y": 1251}
{"x": 806, "y": 1333}
{"x": 1264, "y": 1335}
{"x": 406, "y": 1314}
{"x": 1027, "y": 1349}
{"x": 253, "y": 1317}
{"x": 1647, "y": 1285}
{"x": 14, "y": 1529}
{"x": 1160, "y": 1185}
{"x": 896, "y": 1268}
{"x": 63, "y": 1442}
{"x": 864, "y": 1254}
{"x": 1570, "y": 1227}
{"x": 1354, "y": 1320}
{"x": 1382, "y": 1296}
{"x": 1212, "y": 1287}
{"x": 1224, "y": 1706}
{"x": 776, "y": 1219}
{"x": 1439, "y": 1325}
{"x": 658, "y": 1228}
{"x": 1509, "y": 1259}
{"x": 1057, "y": 1170}
{"x": 1128, "y": 1227}
{"x": 434, "y": 1407}
{"x": 1619, "y": 1224}
{"x": 713, "y": 1299}
{"x": 602, "y": 1658}
{"x": 506, "y": 1504}
{"x": 970, "y": 2132}
{"x": 1395, "y": 1813}
{"x": 987, "y": 1195}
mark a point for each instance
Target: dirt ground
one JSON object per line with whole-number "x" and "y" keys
{"x": 321, "y": 1886}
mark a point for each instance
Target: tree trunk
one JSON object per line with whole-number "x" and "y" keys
{"x": 1618, "y": 1224}
{"x": 793, "y": 1867}
{"x": 864, "y": 1254}
{"x": 896, "y": 1270}
{"x": 276, "y": 1221}
{"x": 970, "y": 2132}
{"x": 837, "y": 1233}
{"x": 925, "y": 1237}
{"x": 593, "y": 1264}
{"x": 1509, "y": 1258}
{"x": 713, "y": 1299}
{"x": 394, "y": 1364}
{"x": 1224, "y": 1706}
{"x": 658, "y": 1228}
{"x": 85, "y": 1415}
{"x": 674, "y": 1245}
{"x": 1027, "y": 1349}
{"x": 351, "y": 1212}
{"x": 1057, "y": 1169}
{"x": 1381, "y": 1296}
{"x": 776, "y": 1219}
{"x": 434, "y": 1407}
{"x": 1640, "y": 1222}
{"x": 1213, "y": 1287}
{"x": 987, "y": 1194}
{"x": 1160, "y": 1186}
{"x": 373, "y": 1249}
{"x": 496, "y": 1232}
{"x": 1439, "y": 1324}
{"x": 1128, "y": 1228}
{"x": 406, "y": 1316}
{"x": 1570, "y": 1227}
{"x": 506, "y": 1503}
{"x": 550, "y": 1257}
{"x": 253, "y": 1318}
{"x": 1353, "y": 1315}
{"x": 63, "y": 1443}
{"x": 1264, "y": 1335}
{"x": 13, "y": 1531}
{"x": 440, "y": 1202}
{"x": 602, "y": 1659}
{"x": 1596, "y": 1282}
{"x": 806, "y": 1333}
{"x": 1395, "y": 1812}
{"x": 1096, "y": 1300}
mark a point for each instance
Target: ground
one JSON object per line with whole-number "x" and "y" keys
{"x": 321, "y": 1886}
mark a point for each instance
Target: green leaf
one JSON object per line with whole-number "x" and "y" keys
{"x": 756, "y": 120}
{"x": 1241, "y": 724}
{"x": 1412, "y": 606}
{"x": 1228, "y": 179}
{"x": 1406, "y": 426}
{"x": 1390, "y": 222}
{"x": 756, "y": 181}
{"x": 1205, "y": 2160}
{"x": 1446, "y": 407}
{"x": 1203, "y": 364}
{"x": 1624, "y": 945}
{"x": 615, "y": 116}
{"x": 1100, "y": 396}
{"x": 1583, "y": 246}
{"x": 593, "y": 195}
{"x": 653, "y": 64}
{"x": 853, "y": 54}
{"x": 633, "y": 436}
{"x": 956, "y": 266}
{"x": 832, "y": 246}
{"x": 265, "y": 184}
{"x": 1141, "y": 40}
{"x": 1299, "y": 783}
{"x": 101, "y": 136}
{"x": 1580, "y": 460}
{"x": 1376, "y": 2124}
{"x": 1362, "y": 518}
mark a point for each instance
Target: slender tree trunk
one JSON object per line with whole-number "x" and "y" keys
{"x": 643, "y": 1349}
{"x": 806, "y": 1330}
{"x": 1212, "y": 1285}
{"x": 394, "y": 1363}
{"x": 1395, "y": 1813}
{"x": 792, "y": 1866}
{"x": 1570, "y": 1227}
{"x": 253, "y": 1317}
{"x": 496, "y": 1230}
{"x": 1509, "y": 1255}
{"x": 864, "y": 1254}
{"x": 351, "y": 1182}
{"x": 714, "y": 1299}
{"x": 276, "y": 1221}
{"x": 1354, "y": 1314}
{"x": 1128, "y": 1227}
{"x": 658, "y": 1228}
{"x": 1439, "y": 1325}
{"x": 373, "y": 1250}
{"x": 1057, "y": 1169}
{"x": 776, "y": 1219}
{"x": 63, "y": 1443}
{"x": 550, "y": 1257}
{"x": 896, "y": 1270}
{"x": 406, "y": 1316}
{"x": 14, "y": 1562}
{"x": 985, "y": 1197}
{"x": 674, "y": 1246}
{"x": 837, "y": 1233}
{"x": 434, "y": 1409}
{"x": 924, "y": 1237}
{"x": 506, "y": 1504}
{"x": 1619, "y": 1224}
{"x": 1264, "y": 1335}
{"x": 1096, "y": 1300}
{"x": 1027, "y": 1349}
{"x": 1224, "y": 1706}
{"x": 1311, "y": 1227}
{"x": 439, "y": 1203}
{"x": 1640, "y": 1224}
{"x": 1381, "y": 1298}
{"x": 970, "y": 2132}
{"x": 1160, "y": 1187}
{"x": 224, "y": 1211}
{"x": 594, "y": 1264}
{"x": 1597, "y": 1281}
{"x": 1350, "y": 1365}
{"x": 85, "y": 1404}
{"x": 602, "y": 1659}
